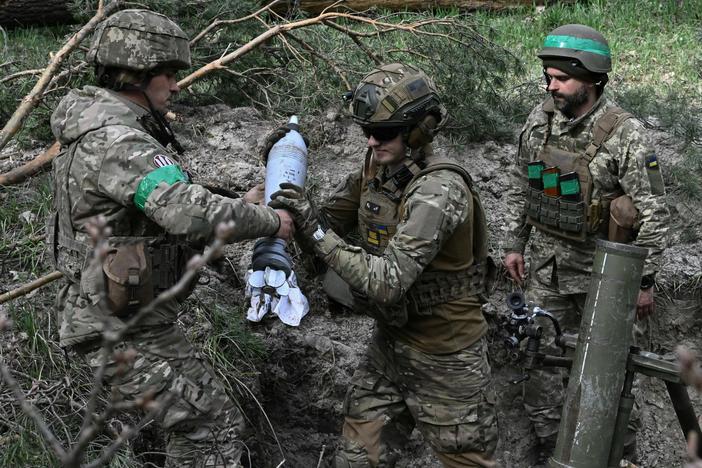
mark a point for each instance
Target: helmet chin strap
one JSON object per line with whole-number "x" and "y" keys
{"x": 163, "y": 131}
{"x": 166, "y": 132}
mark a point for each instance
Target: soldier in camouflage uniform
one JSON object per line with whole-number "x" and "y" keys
{"x": 115, "y": 163}
{"x": 419, "y": 271}
{"x": 610, "y": 186}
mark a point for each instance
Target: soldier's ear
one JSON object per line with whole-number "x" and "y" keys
{"x": 423, "y": 132}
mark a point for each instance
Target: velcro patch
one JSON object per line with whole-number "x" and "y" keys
{"x": 372, "y": 207}
{"x": 161, "y": 160}
{"x": 652, "y": 162}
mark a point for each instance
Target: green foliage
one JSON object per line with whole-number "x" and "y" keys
{"x": 228, "y": 342}
{"x": 24, "y": 446}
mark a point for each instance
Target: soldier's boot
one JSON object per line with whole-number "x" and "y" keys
{"x": 545, "y": 447}
{"x": 362, "y": 446}
{"x": 466, "y": 460}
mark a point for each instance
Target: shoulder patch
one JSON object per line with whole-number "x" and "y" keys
{"x": 161, "y": 160}
{"x": 652, "y": 162}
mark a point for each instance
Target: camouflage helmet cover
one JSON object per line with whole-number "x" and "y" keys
{"x": 395, "y": 95}
{"x": 139, "y": 40}
{"x": 579, "y": 42}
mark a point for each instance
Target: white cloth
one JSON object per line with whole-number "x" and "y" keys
{"x": 271, "y": 291}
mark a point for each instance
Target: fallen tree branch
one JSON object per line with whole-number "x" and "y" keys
{"x": 32, "y": 99}
{"x": 322, "y": 18}
{"x": 317, "y": 6}
{"x": 29, "y": 287}
{"x": 219, "y": 23}
{"x": 20, "y": 74}
{"x": 21, "y": 173}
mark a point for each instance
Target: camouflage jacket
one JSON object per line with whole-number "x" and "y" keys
{"x": 436, "y": 205}
{"x": 111, "y": 166}
{"x": 623, "y": 164}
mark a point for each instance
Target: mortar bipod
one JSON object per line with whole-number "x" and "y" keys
{"x": 520, "y": 325}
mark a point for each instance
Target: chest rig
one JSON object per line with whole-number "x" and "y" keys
{"x": 459, "y": 269}
{"x": 566, "y": 218}
{"x": 161, "y": 261}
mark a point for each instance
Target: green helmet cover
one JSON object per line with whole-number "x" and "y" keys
{"x": 395, "y": 94}
{"x": 579, "y": 42}
{"x": 139, "y": 40}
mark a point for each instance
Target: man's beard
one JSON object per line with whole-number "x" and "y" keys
{"x": 568, "y": 104}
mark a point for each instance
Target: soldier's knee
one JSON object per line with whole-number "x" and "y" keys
{"x": 473, "y": 429}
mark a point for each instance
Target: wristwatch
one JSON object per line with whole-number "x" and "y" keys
{"x": 648, "y": 281}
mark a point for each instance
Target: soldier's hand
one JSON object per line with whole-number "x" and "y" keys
{"x": 292, "y": 198}
{"x": 287, "y": 225}
{"x": 646, "y": 305}
{"x": 255, "y": 194}
{"x": 272, "y": 138}
{"x": 514, "y": 262}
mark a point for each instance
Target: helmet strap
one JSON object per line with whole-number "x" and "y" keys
{"x": 165, "y": 134}
{"x": 422, "y": 132}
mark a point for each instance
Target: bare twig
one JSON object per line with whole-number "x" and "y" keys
{"x": 29, "y": 287}
{"x": 690, "y": 369}
{"x": 321, "y": 456}
{"x": 32, "y": 99}
{"x": 219, "y": 23}
{"x": 323, "y": 18}
{"x": 20, "y": 74}
{"x": 333, "y": 65}
{"x": 31, "y": 411}
{"x": 20, "y": 174}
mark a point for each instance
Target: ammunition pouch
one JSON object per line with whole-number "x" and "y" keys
{"x": 533, "y": 203}
{"x": 128, "y": 279}
{"x": 439, "y": 287}
{"x": 623, "y": 220}
{"x": 571, "y": 215}
{"x": 430, "y": 289}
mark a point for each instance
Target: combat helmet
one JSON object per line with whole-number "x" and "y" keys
{"x": 139, "y": 41}
{"x": 579, "y": 42}
{"x": 399, "y": 95}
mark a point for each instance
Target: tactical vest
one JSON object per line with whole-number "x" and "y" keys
{"x": 569, "y": 219}
{"x": 458, "y": 270}
{"x": 162, "y": 261}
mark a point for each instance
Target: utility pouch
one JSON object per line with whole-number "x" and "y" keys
{"x": 549, "y": 213}
{"x": 623, "y": 217}
{"x": 128, "y": 279}
{"x": 594, "y": 216}
{"x": 533, "y": 202}
{"x": 571, "y": 215}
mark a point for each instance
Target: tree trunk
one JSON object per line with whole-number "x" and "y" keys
{"x": 16, "y": 13}
{"x": 316, "y": 6}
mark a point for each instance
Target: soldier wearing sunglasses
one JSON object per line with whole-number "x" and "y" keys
{"x": 419, "y": 271}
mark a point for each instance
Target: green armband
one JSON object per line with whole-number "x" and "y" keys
{"x": 168, "y": 174}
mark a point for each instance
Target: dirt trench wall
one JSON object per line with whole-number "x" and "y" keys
{"x": 308, "y": 368}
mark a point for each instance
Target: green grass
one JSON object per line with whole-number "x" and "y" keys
{"x": 23, "y": 216}
{"x": 653, "y": 42}
{"x": 24, "y": 447}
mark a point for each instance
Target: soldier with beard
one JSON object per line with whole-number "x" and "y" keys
{"x": 586, "y": 172}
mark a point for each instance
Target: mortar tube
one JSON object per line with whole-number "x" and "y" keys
{"x": 599, "y": 365}
{"x": 626, "y": 405}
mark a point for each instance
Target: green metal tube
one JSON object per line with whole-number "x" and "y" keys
{"x": 599, "y": 365}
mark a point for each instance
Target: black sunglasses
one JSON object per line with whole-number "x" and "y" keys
{"x": 382, "y": 133}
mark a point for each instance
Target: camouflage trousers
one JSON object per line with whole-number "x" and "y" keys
{"x": 544, "y": 392}
{"x": 449, "y": 398}
{"x": 200, "y": 421}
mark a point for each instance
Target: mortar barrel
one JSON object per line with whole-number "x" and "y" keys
{"x": 599, "y": 365}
